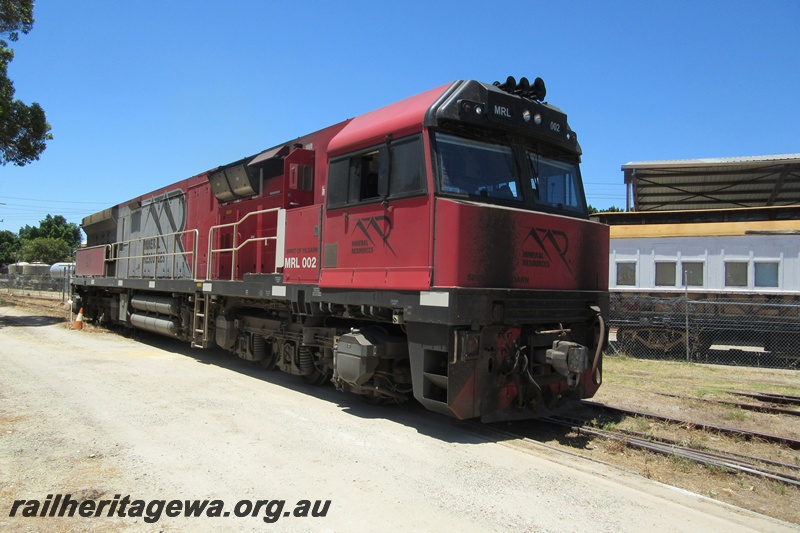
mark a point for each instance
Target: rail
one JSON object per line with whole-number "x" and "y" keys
{"x": 789, "y": 442}
{"x": 729, "y": 461}
{"x": 156, "y": 255}
{"x": 234, "y": 246}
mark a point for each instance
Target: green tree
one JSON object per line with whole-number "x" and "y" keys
{"x": 53, "y": 227}
{"x": 44, "y": 250}
{"x": 612, "y": 209}
{"x": 24, "y": 130}
{"x": 9, "y": 246}
{"x": 53, "y": 240}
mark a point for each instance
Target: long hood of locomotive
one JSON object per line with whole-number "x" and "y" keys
{"x": 477, "y": 245}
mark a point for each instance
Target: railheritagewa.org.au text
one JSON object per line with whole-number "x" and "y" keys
{"x": 151, "y": 511}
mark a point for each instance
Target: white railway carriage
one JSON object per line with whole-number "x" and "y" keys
{"x": 733, "y": 257}
{"x": 684, "y": 281}
{"x": 708, "y": 255}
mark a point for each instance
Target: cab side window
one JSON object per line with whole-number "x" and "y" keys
{"x": 407, "y": 175}
{"x": 391, "y": 170}
{"x": 367, "y": 175}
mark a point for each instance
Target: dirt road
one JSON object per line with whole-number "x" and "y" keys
{"x": 104, "y": 418}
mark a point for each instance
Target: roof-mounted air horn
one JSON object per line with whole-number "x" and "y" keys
{"x": 537, "y": 91}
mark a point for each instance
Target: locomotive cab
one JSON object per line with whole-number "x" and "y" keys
{"x": 480, "y": 212}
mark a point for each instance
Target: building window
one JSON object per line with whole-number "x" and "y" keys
{"x": 735, "y": 274}
{"x": 665, "y": 273}
{"x": 626, "y": 274}
{"x": 766, "y": 274}
{"x": 693, "y": 273}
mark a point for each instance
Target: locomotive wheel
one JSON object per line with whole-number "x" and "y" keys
{"x": 269, "y": 362}
{"x": 371, "y": 399}
{"x": 700, "y": 343}
{"x": 626, "y": 340}
{"x": 317, "y": 378}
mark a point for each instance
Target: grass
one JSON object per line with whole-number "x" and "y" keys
{"x": 780, "y": 489}
{"x": 718, "y": 470}
{"x": 682, "y": 464}
{"x": 614, "y": 446}
{"x": 694, "y": 379}
{"x": 698, "y": 443}
{"x": 702, "y": 392}
{"x": 609, "y": 426}
{"x": 640, "y": 424}
{"x": 735, "y": 413}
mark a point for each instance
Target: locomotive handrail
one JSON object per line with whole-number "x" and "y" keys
{"x": 234, "y": 247}
{"x": 234, "y": 250}
{"x": 176, "y": 237}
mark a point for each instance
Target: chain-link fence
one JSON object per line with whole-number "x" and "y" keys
{"x": 752, "y": 330}
{"x": 17, "y": 284}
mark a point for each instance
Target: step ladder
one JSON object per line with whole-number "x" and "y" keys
{"x": 200, "y": 336}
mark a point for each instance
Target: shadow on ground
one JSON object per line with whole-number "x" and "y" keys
{"x": 29, "y": 321}
{"x": 410, "y": 414}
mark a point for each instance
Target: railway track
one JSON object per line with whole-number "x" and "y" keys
{"x": 729, "y": 461}
{"x": 772, "y": 467}
{"x": 769, "y": 398}
{"x": 738, "y": 432}
{"x": 724, "y": 461}
{"x": 31, "y": 300}
{"x": 31, "y": 293}
{"x": 747, "y": 406}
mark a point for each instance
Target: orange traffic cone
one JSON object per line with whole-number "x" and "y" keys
{"x": 79, "y": 320}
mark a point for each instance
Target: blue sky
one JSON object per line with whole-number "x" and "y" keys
{"x": 144, "y": 93}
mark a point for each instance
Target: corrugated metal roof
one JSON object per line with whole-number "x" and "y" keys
{"x": 713, "y": 183}
{"x": 746, "y": 160}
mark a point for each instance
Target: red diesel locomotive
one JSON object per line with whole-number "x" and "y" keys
{"x": 438, "y": 247}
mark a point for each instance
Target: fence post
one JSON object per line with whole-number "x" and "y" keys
{"x": 686, "y": 297}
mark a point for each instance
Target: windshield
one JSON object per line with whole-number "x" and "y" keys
{"x": 555, "y": 183}
{"x": 492, "y": 172}
{"x": 475, "y": 168}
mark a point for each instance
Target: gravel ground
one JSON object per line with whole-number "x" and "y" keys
{"x": 99, "y": 416}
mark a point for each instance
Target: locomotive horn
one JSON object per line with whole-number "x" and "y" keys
{"x": 538, "y": 91}
{"x": 509, "y": 84}
{"x": 523, "y": 87}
